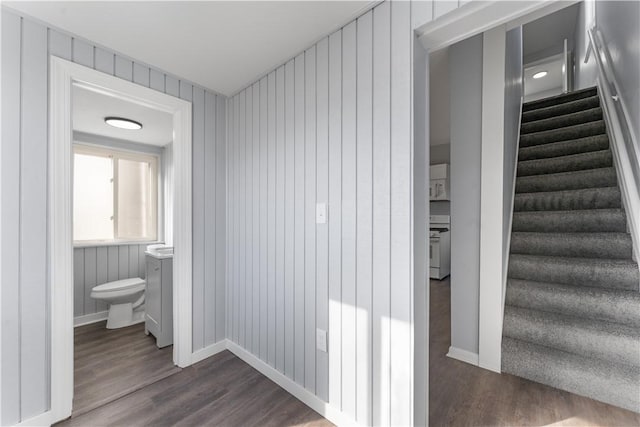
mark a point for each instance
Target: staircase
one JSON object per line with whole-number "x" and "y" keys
{"x": 572, "y": 311}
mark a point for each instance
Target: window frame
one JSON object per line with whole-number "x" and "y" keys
{"x": 154, "y": 161}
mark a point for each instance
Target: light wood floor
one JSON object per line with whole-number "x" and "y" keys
{"x": 465, "y": 395}
{"x": 221, "y": 390}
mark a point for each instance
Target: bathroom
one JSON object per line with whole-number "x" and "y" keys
{"x": 123, "y": 307}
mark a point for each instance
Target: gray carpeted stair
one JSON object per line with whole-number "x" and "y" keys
{"x": 572, "y": 309}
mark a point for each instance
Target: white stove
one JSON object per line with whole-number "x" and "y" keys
{"x": 439, "y": 246}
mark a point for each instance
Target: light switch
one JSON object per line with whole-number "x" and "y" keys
{"x": 321, "y": 340}
{"x": 321, "y": 213}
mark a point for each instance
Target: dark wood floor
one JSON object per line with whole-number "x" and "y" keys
{"x": 464, "y": 395}
{"x": 221, "y": 390}
{"x": 111, "y": 363}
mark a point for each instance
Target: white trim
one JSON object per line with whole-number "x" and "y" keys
{"x": 491, "y": 199}
{"x": 463, "y": 356}
{"x": 88, "y": 319}
{"x": 208, "y": 351}
{"x": 299, "y": 392}
{"x": 39, "y": 420}
{"x": 62, "y": 75}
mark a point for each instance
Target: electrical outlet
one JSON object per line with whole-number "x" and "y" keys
{"x": 321, "y": 340}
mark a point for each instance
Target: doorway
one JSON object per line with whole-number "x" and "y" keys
{"x": 64, "y": 77}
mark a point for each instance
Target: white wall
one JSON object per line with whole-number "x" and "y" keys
{"x": 585, "y": 74}
{"x": 26, "y": 48}
{"x": 332, "y": 125}
{"x": 512, "y": 113}
{"x": 618, "y": 21}
{"x": 465, "y": 63}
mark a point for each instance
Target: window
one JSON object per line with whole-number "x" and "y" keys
{"x": 114, "y": 195}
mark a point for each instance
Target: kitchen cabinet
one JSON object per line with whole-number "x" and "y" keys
{"x": 439, "y": 182}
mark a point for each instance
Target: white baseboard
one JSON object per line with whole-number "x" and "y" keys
{"x": 314, "y": 402}
{"x": 87, "y": 319}
{"x": 208, "y": 351}
{"x": 463, "y": 355}
{"x": 38, "y": 420}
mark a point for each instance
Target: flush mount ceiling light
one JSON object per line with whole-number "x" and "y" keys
{"x": 122, "y": 123}
{"x": 539, "y": 74}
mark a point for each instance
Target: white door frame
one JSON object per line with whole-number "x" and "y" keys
{"x": 468, "y": 20}
{"x": 63, "y": 74}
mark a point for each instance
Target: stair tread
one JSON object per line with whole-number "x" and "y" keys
{"x": 560, "y": 121}
{"x": 612, "y": 305}
{"x": 586, "y": 198}
{"x": 608, "y": 382}
{"x": 570, "y": 180}
{"x": 584, "y": 245}
{"x": 572, "y": 146}
{"x": 559, "y": 99}
{"x": 577, "y": 271}
{"x": 569, "y": 163}
{"x": 577, "y": 105}
{"x": 563, "y": 134}
{"x": 570, "y": 220}
{"x": 593, "y": 337}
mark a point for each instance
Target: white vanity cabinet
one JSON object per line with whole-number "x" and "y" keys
{"x": 159, "y": 299}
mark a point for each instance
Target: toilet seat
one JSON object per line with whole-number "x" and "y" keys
{"x": 133, "y": 285}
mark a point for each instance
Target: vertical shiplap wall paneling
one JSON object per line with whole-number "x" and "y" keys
{"x": 264, "y": 223}
{"x": 221, "y": 220}
{"x": 34, "y": 306}
{"x": 335, "y": 222}
{"x": 10, "y": 193}
{"x": 210, "y": 219}
{"x": 255, "y": 218}
{"x": 78, "y": 283}
{"x": 242, "y": 181}
{"x": 91, "y": 277}
{"x": 381, "y": 284}
{"x": 333, "y": 126}
{"x": 248, "y": 248}
{"x": 401, "y": 216}
{"x": 26, "y": 49}
{"x": 313, "y": 359}
{"x": 320, "y": 299}
{"x": 279, "y": 217}
{"x": 349, "y": 262}
{"x": 198, "y": 214}
{"x": 298, "y": 220}
{"x": 271, "y": 217}
{"x": 288, "y": 222}
{"x": 364, "y": 209}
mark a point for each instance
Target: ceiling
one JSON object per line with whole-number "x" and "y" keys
{"x": 545, "y": 35}
{"x": 220, "y": 45}
{"x": 553, "y": 79}
{"x": 90, "y": 108}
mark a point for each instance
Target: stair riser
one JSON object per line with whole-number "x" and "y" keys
{"x": 572, "y": 338}
{"x": 570, "y": 221}
{"x": 571, "y": 200}
{"x": 599, "y": 275}
{"x": 610, "y": 246}
{"x": 561, "y": 109}
{"x": 571, "y": 119}
{"x": 564, "y": 134}
{"x": 565, "y": 148}
{"x": 591, "y": 303}
{"x": 567, "y": 181}
{"x": 616, "y": 386}
{"x": 576, "y": 162}
{"x": 557, "y": 100}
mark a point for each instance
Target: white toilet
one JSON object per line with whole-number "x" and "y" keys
{"x": 126, "y": 301}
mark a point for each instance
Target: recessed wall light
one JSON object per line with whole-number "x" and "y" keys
{"x": 539, "y": 74}
{"x": 122, "y": 123}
